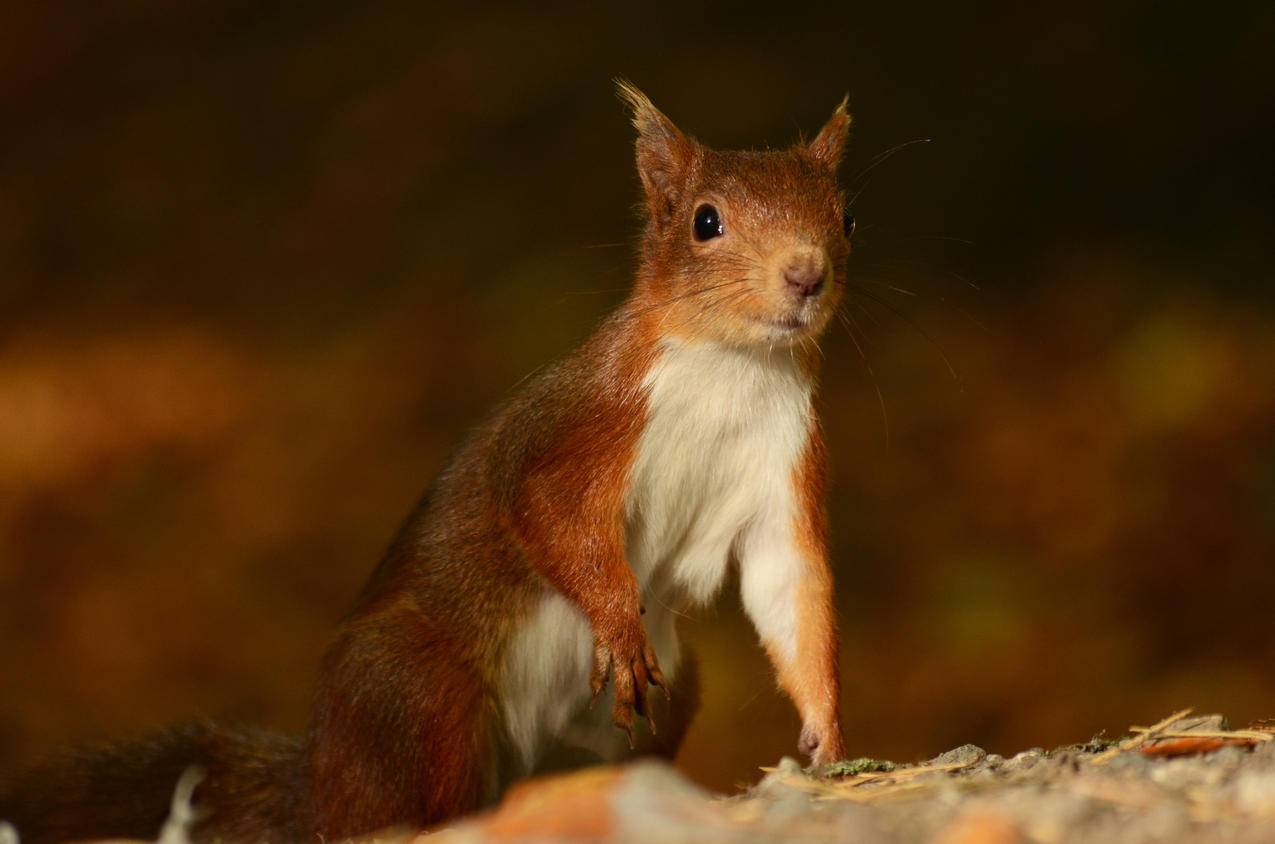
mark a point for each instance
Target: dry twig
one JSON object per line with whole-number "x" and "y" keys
{"x": 1137, "y": 741}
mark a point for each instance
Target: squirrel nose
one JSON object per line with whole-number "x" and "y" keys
{"x": 805, "y": 279}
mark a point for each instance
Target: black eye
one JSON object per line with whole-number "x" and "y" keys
{"x": 708, "y": 223}
{"x": 847, "y": 223}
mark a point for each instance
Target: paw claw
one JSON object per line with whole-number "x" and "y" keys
{"x": 627, "y": 659}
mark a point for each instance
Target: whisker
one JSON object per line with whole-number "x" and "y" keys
{"x": 607, "y": 291}
{"x": 714, "y": 302}
{"x": 889, "y": 306}
{"x": 689, "y": 294}
{"x": 814, "y": 344}
{"x": 885, "y": 284}
{"x": 866, "y": 173}
{"x": 851, "y": 326}
{"x": 964, "y": 312}
{"x": 530, "y": 375}
{"x": 868, "y": 315}
{"x": 946, "y": 238}
{"x": 758, "y": 255}
{"x": 654, "y": 596}
{"x": 928, "y": 267}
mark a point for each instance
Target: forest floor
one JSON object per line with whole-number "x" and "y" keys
{"x": 1185, "y": 779}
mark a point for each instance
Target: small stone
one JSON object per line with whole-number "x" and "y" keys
{"x": 779, "y": 781}
{"x": 966, "y": 754}
{"x": 788, "y": 765}
{"x": 1023, "y": 761}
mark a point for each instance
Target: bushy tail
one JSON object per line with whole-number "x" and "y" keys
{"x": 249, "y": 791}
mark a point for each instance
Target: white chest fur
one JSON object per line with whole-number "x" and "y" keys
{"x": 725, "y": 430}
{"x": 713, "y": 474}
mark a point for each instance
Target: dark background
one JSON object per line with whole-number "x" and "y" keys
{"x": 261, "y": 269}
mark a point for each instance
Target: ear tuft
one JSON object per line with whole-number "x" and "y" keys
{"x": 647, "y": 119}
{"x": 830, "y": 143}
{"x": 663, "y": 152}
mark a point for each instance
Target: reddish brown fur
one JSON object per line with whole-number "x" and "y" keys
{"x": 405, "y": 727}
{"x": 252, "y": 783}
{"x": 405, "y": 724}
{"x": 697, "y": 288}
{"x": 813, "y": 681}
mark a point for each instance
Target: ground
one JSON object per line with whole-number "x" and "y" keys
{"x": 1185, "y": 779}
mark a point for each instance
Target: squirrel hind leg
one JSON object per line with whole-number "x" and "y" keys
{"x": 676, "y": 710}
{"x": 390, "y": 746}
{"x": 592, "y": 739}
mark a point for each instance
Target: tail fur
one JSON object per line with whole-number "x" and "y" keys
{"x": 250, "y": 788}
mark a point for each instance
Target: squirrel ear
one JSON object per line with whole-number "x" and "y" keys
{"x": 827, "y": 146}
{"x": 663, "y": 152}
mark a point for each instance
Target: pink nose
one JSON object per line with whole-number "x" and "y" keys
{"x": 805, "y": 279}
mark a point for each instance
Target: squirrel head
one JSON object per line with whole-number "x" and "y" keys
{"x": 744, "y": 248}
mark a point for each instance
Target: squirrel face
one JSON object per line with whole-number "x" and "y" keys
{"x": 743, "y": 248}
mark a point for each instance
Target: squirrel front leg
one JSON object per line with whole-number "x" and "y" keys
{"x": 787, "y": 591}
{"x": 576, "y": 543}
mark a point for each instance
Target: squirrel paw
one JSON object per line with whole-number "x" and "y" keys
{"x": 822, "y": 743}
{"x": 635, "y": 669}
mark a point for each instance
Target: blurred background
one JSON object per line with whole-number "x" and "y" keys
{"x": 261, "y": 269}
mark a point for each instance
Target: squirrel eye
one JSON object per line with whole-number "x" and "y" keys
{"x": 847, "y": 223}
{"x": 708, "y": 222}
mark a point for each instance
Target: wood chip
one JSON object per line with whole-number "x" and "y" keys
{"x": 1194, "y": 745}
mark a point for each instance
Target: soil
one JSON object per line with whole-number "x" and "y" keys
{"x": 1186, "y": 779}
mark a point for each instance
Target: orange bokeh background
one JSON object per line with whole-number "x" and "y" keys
{"x": 260, "y": 271}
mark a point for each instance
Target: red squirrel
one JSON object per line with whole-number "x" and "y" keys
{"x": 528, "y": 606}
